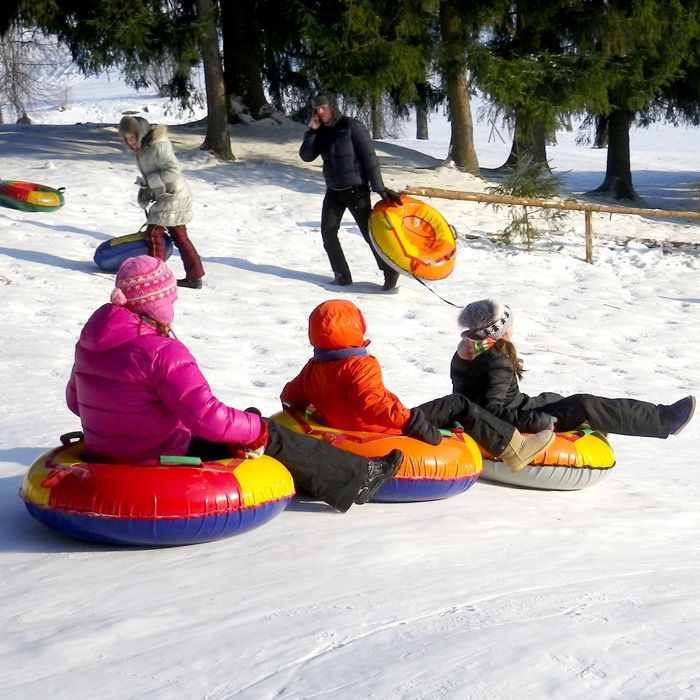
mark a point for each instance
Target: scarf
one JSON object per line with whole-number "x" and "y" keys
{"x": 468, "y": 349}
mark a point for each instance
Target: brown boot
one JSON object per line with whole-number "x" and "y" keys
{"x": 522, "y": 450}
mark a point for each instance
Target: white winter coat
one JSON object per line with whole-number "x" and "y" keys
{"x": 161, "y": 172}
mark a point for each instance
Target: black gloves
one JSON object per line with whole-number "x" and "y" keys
{"x": 390, "y": 196}
{"x": 419, "y": 428}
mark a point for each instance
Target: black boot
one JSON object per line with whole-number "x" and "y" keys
{"x": 190, "y": 283}
{"x": 680, "y": 414}
{"x": 391, "y": 278}
{"x": 379, "y": 471}
{"x": 342, "y": 279}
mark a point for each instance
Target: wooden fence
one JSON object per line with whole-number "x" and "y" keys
{"x": 588, "y": 209}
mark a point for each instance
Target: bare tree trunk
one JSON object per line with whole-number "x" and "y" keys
{"x": 377, "y": 117}
{"x": 243, "y": 55}
{"x": 454, "y": 67}
{"x": 529, "y": 141}
{"x": 421, "y": 122}
{"x": 601, "y": 132}
{"x": 218, "y": 138}
{"x": 618, "y": 172}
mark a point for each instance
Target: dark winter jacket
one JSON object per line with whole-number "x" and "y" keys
{"x": 348, "y": 155}
{"x": 490, "y": 381}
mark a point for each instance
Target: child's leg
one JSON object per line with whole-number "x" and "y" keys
{"x": 488, "y": 430}
{"x": 327, "y": 473}
{"x": 190, "y": 257}
{"x": 619, "y": 416}
{"x": 156, "y": 243}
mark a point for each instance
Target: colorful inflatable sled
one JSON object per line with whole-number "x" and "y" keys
{"x": 413, "y": 238}
{"x": 170, "y": 504}
{"x": 28, "y": 196}
{"x": 112, "y": 253}
{"x": 575, "y": 460}
{"x": 428, "y": 472}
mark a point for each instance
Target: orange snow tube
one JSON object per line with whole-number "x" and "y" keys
{"x": 413, "y": 238}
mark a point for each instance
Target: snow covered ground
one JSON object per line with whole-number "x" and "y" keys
{"x": 497, "y": 593}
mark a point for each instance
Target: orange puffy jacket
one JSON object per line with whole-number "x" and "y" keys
{"x": 343, "y": 381}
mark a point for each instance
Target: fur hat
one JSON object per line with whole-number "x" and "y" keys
{"x": 327, "y": 98}
{"x": 138, "y": 126}
{"x": 486, "y": 318}
{"x": 145, "y": 285}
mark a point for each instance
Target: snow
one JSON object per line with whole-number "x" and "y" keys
{"x": 497, "y": 593}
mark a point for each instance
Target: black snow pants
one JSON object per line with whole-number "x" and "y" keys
{"x": 619, "y": 416}
{"x": 321, "y": 470}
{"x": 357, "y": 200}
{"x": 489, "y": 431}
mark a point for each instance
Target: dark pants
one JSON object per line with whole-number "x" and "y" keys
{"x": 490, "y": 432}
{"x": 323, "y": 471}
{"x": 190, "y": 257}
{"x": 357, "y": 200}
{"x": 619, "y": 416}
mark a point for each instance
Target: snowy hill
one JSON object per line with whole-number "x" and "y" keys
{"x": 497, "y": 593}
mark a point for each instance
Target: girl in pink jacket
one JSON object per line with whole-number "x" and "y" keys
{"x": 140, "y": 394}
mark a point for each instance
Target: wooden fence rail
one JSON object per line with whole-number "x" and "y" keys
{"x": 486, "y": 198}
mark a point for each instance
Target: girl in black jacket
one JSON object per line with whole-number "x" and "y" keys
{"x": 486, "y": 369}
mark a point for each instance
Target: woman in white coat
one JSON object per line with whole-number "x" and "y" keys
{"x": 163, "y": 193}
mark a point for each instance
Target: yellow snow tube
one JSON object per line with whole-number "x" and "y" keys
{"x": 413, "y": 238}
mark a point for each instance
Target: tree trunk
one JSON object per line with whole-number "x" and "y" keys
{"x": 243, "y": 55}
{"x": 218, "y": 138}
{"x": 618, "y": 173}
{"x": 377, "y": 117}
{"x": 421, "y": 122}
{"x": 529, "y": 142}
{"x": 601, "y": 132}
{"x": 454, "y": 67}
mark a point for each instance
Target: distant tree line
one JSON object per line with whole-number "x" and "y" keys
{"x": 540, "y": 63}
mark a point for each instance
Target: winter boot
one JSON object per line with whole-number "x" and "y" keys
{"x": 190, "y": 283}
{"x": 680, "y": 414}
{"x": 522, "y": 450}
{"x": 342, "y": 279}
{"x": 379, "y": 471}
{"x": 391, "y": 278}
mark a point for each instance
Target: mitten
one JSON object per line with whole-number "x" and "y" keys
{"x": 255, "y": 448}
{"x": 390, "y": 196}
{"x": 140, "y": 182}
{"x": 419, "y": 428}
{"x": 144, "y": 197}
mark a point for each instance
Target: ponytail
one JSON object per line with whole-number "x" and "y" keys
{"x": 505, "y": 347}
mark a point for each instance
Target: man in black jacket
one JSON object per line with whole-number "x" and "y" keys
{"x": 350, "y": 166}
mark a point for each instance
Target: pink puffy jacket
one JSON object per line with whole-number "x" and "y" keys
{"x": 140, "y": 394}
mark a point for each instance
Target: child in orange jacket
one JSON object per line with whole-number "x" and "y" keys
{"x": 344, "y": 384}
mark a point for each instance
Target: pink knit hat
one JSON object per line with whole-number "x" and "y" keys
{"x": 145, "y": 285}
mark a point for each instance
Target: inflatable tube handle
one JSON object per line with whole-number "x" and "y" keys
{"x": 181, "y": 459}
{"x": 70, "y": 438}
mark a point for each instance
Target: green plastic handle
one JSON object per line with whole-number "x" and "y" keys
{"x": 177, "y": 459}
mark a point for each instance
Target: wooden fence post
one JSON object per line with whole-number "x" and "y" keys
{"x": 589, "y": 236}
